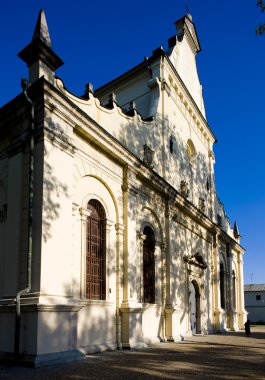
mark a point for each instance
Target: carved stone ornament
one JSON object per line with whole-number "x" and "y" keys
{"x": 184, "y": 189}
{"x": 148, "y": 156}
{"x": 202, "y": 205}
{"x": 196, "y": 260}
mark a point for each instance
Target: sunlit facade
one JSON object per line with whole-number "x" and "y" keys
{"x": 111, "y": 232}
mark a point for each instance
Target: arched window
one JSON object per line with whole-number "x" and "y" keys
{"x": 191, "y": 151}
{"x": 96, "y": 252}
{"x": 149, "y": 266}
{"x": 233, "y": 290}
{"x": 222, "y": 286}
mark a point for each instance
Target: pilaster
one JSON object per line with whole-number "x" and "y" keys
{"x": 84, "y": 214}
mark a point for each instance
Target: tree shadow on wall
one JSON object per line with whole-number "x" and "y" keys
{"x": 169, "y": 151}
{"x": 173, "y": 164}
{"x": 53, "y": 188}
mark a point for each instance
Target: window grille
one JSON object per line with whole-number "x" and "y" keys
{"x": 222, "y": 286}
{"x": 96, "y": 252}
{"x": 149, "y": 266}
{"x": 3, "y": 213}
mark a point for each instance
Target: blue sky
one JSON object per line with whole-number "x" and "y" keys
{"x": 99, "y": 40}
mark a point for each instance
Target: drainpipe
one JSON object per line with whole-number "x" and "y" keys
{"x": 25, "y": 84}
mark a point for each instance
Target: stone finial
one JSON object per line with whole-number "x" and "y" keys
{"x": 111, "y": 101}
{"x": 112, "y": 97}
{"x": 236, "y": 232}
{"x": 41, "y": 30}
{"x": 132, "y": 109}
{"x": 132, "y": 106}
{"x": 88, "y": 90}
{"x": 38, "y": 55}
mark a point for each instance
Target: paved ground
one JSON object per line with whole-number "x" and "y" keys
{"x": 229, "y": 356}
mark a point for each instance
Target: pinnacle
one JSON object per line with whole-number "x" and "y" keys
{"x": 41, "y": 30}
{"x": 236, "y": 232}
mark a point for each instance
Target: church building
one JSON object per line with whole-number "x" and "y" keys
{"x": 112, "y": 235}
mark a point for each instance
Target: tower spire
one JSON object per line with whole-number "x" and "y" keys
{"x": 38, "y": 55}
{"x": 41, "y": 30}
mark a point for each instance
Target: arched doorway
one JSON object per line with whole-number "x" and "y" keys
{"x": 195, "y": 309}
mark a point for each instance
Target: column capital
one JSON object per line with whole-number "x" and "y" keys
{"x": 84, "y": 213}
{"x": 119, "y": 227}
{"x": 109, "y": 224}
{"x": 163, "y": 247}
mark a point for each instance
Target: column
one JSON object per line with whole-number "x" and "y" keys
{"x": 110, "y": 261}
{"x": 131, "y": 309}
{"x": 242, "y": 314}
{"x": 76, "y": 250}
{"x": 230, "y": 322}
{"x": 163, "y": 248}
{"x": 217, "y": 310}
{"x": 119, "y": 251}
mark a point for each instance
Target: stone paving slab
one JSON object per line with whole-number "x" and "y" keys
{"x": 222, "y": 356}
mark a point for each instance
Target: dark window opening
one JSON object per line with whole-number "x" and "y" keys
{"x": 222, "y": 286}
{"x": 149, "y": 266}
{"x": 258, "y": 297}
{"x": 171, "y": 145}
{"x": 3, "y": 213}
{"x": 96, "y": 252}
{"x": 208, "y": 184}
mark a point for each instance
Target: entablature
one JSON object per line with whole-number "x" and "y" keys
{"x": 223, "y": 239}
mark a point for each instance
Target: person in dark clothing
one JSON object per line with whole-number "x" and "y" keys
{"x": 247, "y": 327}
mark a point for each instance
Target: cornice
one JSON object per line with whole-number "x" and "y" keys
{"x": 33, "y": 308}
{"x": 225, "y": 238}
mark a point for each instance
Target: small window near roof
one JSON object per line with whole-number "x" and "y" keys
{"x": 258, "y": 297}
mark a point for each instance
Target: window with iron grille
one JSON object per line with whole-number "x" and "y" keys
{"x": 3, "y": 213}
{"x": 96, "y": 252}
{"x": 149, "y": 266}
{"x": 222, "y": 286}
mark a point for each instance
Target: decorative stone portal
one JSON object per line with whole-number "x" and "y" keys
{"x": 196, "y": 266}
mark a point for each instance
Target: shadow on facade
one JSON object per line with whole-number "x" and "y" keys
{"x": 170, "y": 161}
{"x": 53, "y": 190}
